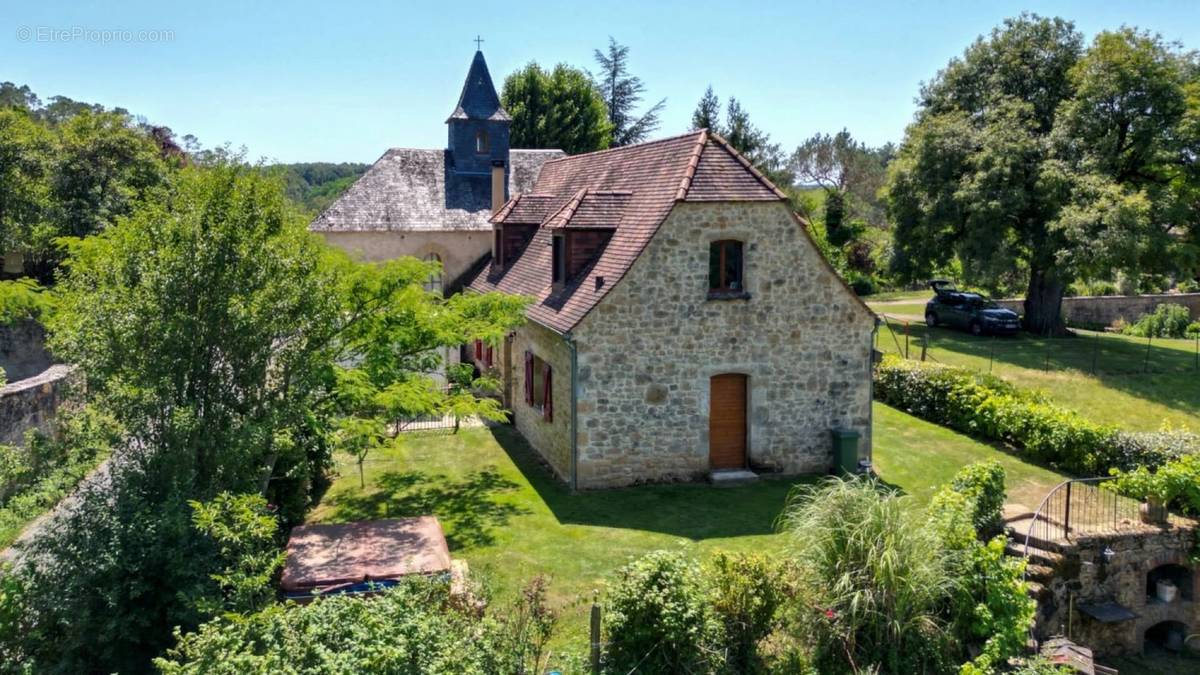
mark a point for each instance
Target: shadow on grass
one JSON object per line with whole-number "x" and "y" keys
{"x": 694, "y": 511}
{"x": 1162, "y": 374}
{"x": 466, "y": 507}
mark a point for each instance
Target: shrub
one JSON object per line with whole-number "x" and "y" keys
{"x": 746, "y": 592}
{"x": 862, "y": 285}
{"x": 413, "y": 628}
{"x": 1175, "y": 484}
{"x": 22, "y": 299}
{"x": 982, "y": 484}
{"x": 245, "y": 533}
{"x": 1132, "y": 449}
{"x": 1192, "y": 331}
{"x": 660, "y": 620}
{"x": 988, "y": 407}
{"x": 1166, "y": 321}
{"x": 873, "y": 579}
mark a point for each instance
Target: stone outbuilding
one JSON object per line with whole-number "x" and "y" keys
{"x": 681, "y": 322}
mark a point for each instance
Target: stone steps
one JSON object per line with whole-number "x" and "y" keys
{"x": 731, "y": 477}
{"x": 1037, "y": 556}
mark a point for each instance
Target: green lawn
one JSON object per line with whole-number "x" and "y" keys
{"x": 504, "y": 513}
{"x": 1119, "y": 392}
{"x": 918, "y": 457}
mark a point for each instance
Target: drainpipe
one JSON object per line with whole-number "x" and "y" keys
{"x": 570, "y": 340}
{"x": 871, "y": 400}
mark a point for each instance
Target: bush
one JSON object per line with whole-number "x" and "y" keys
{"x": 873, "y": 580}
{"x": 1167, "y": 321}
{"x": 22, "y": 299}
{"x": 746, "y": 592}
{"x": 983, "y": 486}
{"x": 660, "y": 620}
{"x": 1175, "y": 484}
{"x": 862, "y": 285}
{"x": 988, "y": 407}
{"x": 1192, "y": 331}
{"x": 1132, "y": 449}
{"x": 245, "y": 533}
{"x": 414, "y": 628}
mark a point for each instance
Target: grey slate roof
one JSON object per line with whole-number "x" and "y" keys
{"x": 409, "y": 189}
{"x": 478, "y": 100}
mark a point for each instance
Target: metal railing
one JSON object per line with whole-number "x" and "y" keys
{"x": 1079, "y": 506}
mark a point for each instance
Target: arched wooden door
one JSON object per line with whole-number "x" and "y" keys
{"x": 727, "y": 422}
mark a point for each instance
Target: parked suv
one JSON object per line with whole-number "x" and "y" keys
{"x": 968, "y": 311}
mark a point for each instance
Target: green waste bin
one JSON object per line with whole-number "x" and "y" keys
{"x": 845, "y": 450}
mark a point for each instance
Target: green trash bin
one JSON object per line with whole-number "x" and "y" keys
{"x": 845, "y": 450}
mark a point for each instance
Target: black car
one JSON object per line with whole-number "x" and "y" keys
{"x": 968, "y": 311}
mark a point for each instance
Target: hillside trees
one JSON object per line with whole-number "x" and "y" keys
{"x": 556, "y": 109}
{"x": 1033, "y": 155}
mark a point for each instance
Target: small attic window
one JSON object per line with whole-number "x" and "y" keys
{"x": 481, "y": 141}
{"x": 558, "y": 259}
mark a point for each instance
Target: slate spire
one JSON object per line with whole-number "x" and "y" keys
{"x": 478, "y": 100}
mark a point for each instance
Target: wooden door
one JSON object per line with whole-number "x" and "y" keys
{"x": 727, "y": 422}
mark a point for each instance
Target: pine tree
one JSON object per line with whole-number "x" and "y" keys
{"x": 622, "y": 92}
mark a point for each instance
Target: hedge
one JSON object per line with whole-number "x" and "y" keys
{"x": 988, "y": 407}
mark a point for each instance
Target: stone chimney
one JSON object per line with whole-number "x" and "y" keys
{"x": 498, "y": 196}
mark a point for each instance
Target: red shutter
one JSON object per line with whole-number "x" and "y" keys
{"x": 548, "y": 398}
{"x": 478, "y": 350}
{"x": 487, "y": 359}
{"x": 529, "y": 377}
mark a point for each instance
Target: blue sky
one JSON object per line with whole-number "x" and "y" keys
{"x": 343, "y": 81}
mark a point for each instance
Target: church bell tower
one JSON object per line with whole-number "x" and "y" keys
{"x": 478, "y": 132}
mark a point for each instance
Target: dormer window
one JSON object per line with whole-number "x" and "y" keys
{"x": 558, "y": 259}
{"x": 725, "y": 268}
{"x": 481, "y": 142}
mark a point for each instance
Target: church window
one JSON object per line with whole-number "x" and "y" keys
{"x": 434, "y": 282}
{"x": 481, "y": 141}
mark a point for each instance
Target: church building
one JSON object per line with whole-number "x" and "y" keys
{"x": 435, "y": 204}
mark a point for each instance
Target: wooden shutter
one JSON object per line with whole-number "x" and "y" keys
{"x": 548, "y": 396}
{"x": 529, "y": 377}
{"x": 487, "y": 358}
{"x": 479, "y": 350}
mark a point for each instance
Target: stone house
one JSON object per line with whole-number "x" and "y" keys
{"x": 435, "y": 204}
{"x": 682, "y": 322}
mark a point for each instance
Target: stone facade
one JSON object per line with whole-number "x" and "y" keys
{"x": 647, "y": 352}
{"x": 460, "y": 251}
{"x": 1085, "y": 576}
{"x": 23, "y": 350}
{"x": 1104, "y": 310}
{"x": 32, "y": 403}
{"x": 551, "y": 439}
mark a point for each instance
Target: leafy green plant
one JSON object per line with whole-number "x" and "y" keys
{"x": 746, "y": 591}
{"x": 982, "y": 484}
{"x": 872, "y": 579}
{"x": 527, "y": 627}
{"x": 1174, "y": 484}
{"x": 1166, "y": 321}
{"x": 246, "y": 533}
{"x": 1192, "y": 330}
{"x": 659, "y": 619}
{"x": 22, "y": 299}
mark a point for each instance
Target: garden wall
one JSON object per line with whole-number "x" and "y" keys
{"x": 31, "y": 403}
{"x": 1104, "y": 310}
{"x": 23, "y": 350}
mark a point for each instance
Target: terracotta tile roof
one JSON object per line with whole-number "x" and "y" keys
{"x": 638, "y": 185}
{"x": 527, "y": 209}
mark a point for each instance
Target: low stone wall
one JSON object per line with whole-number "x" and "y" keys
{"x": 32, "y": 403}
{"x": 23, "y": 350}
{"x": 1087, "y": 577}
{"x": 1104, "y": 310}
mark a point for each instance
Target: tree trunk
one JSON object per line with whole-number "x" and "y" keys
{"x": 1043, "y": 303}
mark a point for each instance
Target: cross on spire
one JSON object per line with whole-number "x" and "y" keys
{"x": 478, "y": 41}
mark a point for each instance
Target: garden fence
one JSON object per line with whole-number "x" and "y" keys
{"x": 1089, "y": 352}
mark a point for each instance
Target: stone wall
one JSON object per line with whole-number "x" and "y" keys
{"x": 1085, "y": 576}
{"x": 551, "y": 439}
{"x": 1104, "y": 310}
{"x": 648, "y": 351}
{"x": 459, "y": 250}
{"x": 23, "y": 350}
{"x": 32, "y": 403}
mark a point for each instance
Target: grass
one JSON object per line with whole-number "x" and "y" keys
{"x": 510, "y": 519}
{"x": 1119, "y": 392}
{"x": 919, "y": 457}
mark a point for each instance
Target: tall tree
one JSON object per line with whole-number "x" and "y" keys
{"x": 559, "y": 109}
{"x": 621, "y": 93}
{"x": 1030, "y": 154}
{"x": 755, "y": 144}
{"x": 708, "y": 111}
{"x": 24, "y": 163}
{"x": 849, "y": 172}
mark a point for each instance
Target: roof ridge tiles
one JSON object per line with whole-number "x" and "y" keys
{"x": 623, "y": 147}
{"x": 693, "y": 162}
